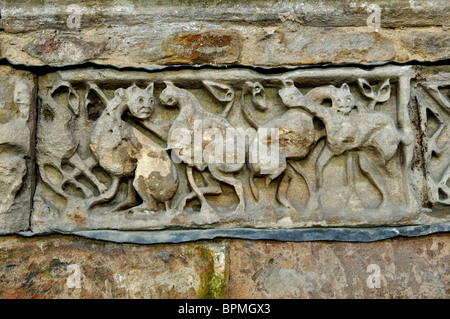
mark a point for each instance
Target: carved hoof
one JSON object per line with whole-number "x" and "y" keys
{"x": 385, "y": 206}
{"x": 124, "y": 206}
{"x": 207, "y": 215}
{"x": 102, "y": 188}
{"x": 207, "y": 209}
{"x": 240, "y": 209}
{"x": 313, "y": 203}
{"x": 354, "y": 203}
{"x": 149, "y": 208}
{"x": 181, "y": 204}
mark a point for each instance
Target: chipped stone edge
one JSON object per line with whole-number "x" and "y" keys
{"x": 294, "y": 235}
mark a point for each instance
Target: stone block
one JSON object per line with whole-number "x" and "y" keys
{"x": 58, "y": 267}
{"x": 149, "y": 151}
{"x": 401, "y": 268}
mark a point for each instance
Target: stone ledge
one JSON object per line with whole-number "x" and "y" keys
{"x": 38, "y": 15}
{"x": 294, "y": 235}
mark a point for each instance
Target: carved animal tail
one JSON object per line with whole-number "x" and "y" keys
{"x": 253, "y": 187}
{"x": 56, "y": 188}
{"x": 250, "y": 119}
{"x": 319, "y": 94}
{"x": 253, "y": 123}
{"x": 319, "y": 133}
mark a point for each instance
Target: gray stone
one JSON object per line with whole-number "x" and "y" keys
{"x": 17, "y": 17}
{"x": 17, "y": 120}
{"x": 115, "y": 156}
{"x": 430, "y": 44}
{"x": 292, "y": 235}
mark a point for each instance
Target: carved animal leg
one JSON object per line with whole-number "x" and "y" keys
{"x": 325, "y": 155}
{"x": 56, "y": 188}
{"x": 66, "y": 178}
{"x": 212, "y": 188}
{"x": 79, "y": 163}
{"x": 375, "y": 178}
{"x": 269, "y": 178}
{"x": 196, "y": 189}
{"x": 408, "y": 153}
{"x": 313, "y": 200}
{"x": 283, "y": 188}
{"x": 112, "y": 191}
{"x": 353, "y": 200}
{"x": 131, "y": 200}
{"x": 236, "y": 183}
{"x": 253, "y": 187}
{"x": 140, "y": 186}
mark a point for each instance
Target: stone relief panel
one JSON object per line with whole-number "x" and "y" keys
{"x": 232, "y": 148}
{"x": 433, "y": 99}
{"x": 17, "y": 121}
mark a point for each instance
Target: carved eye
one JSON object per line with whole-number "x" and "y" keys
{"x": 141, "y": 100}
{"x": 257, "y": 89}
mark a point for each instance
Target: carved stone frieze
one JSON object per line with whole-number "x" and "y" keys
{"x": 433, "y": 99}
{"x": 234, "y": 148}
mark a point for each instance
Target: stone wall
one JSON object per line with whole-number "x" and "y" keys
{"x": 360, "y": 233}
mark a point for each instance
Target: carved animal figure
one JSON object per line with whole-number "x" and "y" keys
{"x": 57, "y": 135}
{"x": 349, "y": 129}
{"x": 123, "y": 151}
{"x": 15, "y": 144}
{"x": 192, "y": 112}
{"x": 297, "y": 136}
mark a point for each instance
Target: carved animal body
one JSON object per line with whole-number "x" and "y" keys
{"x": 297, "y": 136}
{"x": 123, "y": 152}
{"x": 57, "y": 136}
{"x": 12, "y": 171}
{"x": 348, "y": 129}
{"x": 190, "y": 111}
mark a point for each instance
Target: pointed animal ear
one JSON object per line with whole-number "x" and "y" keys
{"x": 366, "y": 88}
{"x": 384, "y": 91}
{"x": 119, "y": 92}
{"x": 169, "y": 83}
{"x": 345, "y": 87}
{"x": 150, "y": 87}
{"x": 287, "y": 83}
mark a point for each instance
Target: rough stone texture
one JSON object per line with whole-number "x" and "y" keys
{"x": 409, "y": 268}
{"x": 103, "y": 141}
{"x": 417, "y": 13}
{"x": 42, "y": 268}
{"x": 141, "y": 33}
{"x": 17, "y": 122}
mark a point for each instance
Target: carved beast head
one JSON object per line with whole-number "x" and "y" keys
{"x": 140, "y": 102}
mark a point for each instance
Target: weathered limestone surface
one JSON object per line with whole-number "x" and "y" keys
{"x": 115, "y": 155}
{"x": 271, "y": 33}
{"x": 17, "y": 129}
